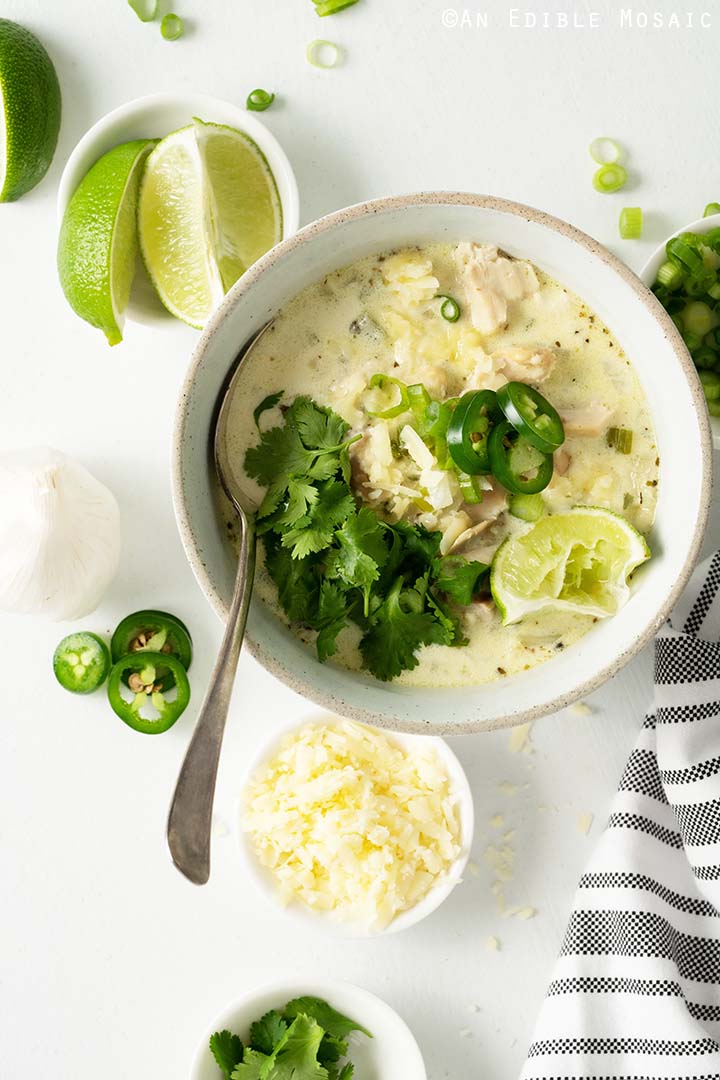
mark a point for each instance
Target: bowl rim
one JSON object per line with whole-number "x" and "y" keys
{"x": 295, "y": 985}
{"x": 314, "y": 691}
{"x": 440, "y": 891}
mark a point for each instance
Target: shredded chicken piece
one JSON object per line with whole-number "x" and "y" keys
{"x": 562, "y": 462}
{"x": 590, "y": 420}
{"x": 525, "y": 364}
{"x": 469, "y": 534}
{"x": 494, "y": 502}
{"x": 492, "y": 280}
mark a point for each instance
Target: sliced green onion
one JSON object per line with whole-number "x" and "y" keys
{"x": 713, "y": 408}
{"x": 527, "y": 507}
{"x": 692, "y": 341}
{"x": 605, "y": 151}
{"x": 681, "y": 251}
{"x": 711, "y": 385}
{"x": 711, "y": 208}
{"x": 146, "y": 10}
{"x": 418, "y": 399}
{"x": 323, "y": 54}
{"x": 699, "y": 319}
{"x": 331, "y": 7}
{"x": 259, "y": 100}
{"x": 172, "y": 27}
{"x": 714, "y": 291}
{"x": 470, "y": 488}
{"x": 385, "y": 383}
{"x": 631, "y": 222}
{"x": 449, "y": 309}
{"x": 705, "y": 359}
{"x": 609, "y": 178}
{"x": 670, "y": 275}
{"x": 620, "y": 439}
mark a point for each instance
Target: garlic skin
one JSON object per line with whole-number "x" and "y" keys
{"x": 59, "y": 535}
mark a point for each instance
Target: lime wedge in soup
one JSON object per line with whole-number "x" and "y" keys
{"x": 209, "y": 208}
{"x": 578, "y": 561}
{"x": 97, "y": 250}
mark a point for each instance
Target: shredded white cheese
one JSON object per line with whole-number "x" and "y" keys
{"x": 349, "y": 822}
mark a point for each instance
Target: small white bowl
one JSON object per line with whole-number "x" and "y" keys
{"x": 649, "y": 274}
{"x": 154, "y": 117}
{"x": 266, "y": 884}
{"x": 391, "y": 1054}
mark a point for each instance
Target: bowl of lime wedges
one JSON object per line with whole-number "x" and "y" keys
{"x": 152, "y": 256}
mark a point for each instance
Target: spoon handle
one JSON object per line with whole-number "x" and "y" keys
{"x": 190, "y": 817}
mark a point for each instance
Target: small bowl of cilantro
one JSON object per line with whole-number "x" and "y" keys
{"x": 313, "y": 1029}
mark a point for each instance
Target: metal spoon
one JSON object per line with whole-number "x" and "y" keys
{"x": 190, "y": 817}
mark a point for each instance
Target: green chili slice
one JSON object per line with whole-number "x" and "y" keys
{"x": 449, "y": 309}
{"x": 140, "y": 672}
{"x": 520, "y": 467}
{"x": 81, "y": 662}
{"x": 385, "y": 383}
{"x": 153, "y": 631}
{"x": 532, "y": 416}
{"x": 469, "y": 429}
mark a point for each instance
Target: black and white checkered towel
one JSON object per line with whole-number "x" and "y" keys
{"x": 635, "y": 993}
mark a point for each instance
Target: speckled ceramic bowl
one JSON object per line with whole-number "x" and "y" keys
{"x": 637, "y": 321}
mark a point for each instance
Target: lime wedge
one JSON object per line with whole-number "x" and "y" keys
{"x": 577, "y": 561}
{"x": 29, "y": 111}
{"x": 97, "y": 249}
{"x": 209, "y": 208}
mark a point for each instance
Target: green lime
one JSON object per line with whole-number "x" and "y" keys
{"x": 209, "y": 208}
{"x": 97, "y": 249}
{"x": 578, "y": 561}
{"x": 29, "y": 111}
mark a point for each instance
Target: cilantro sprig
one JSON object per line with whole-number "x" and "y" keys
{"x": 335, "y": 563}
{"x": 306, "y": 1040}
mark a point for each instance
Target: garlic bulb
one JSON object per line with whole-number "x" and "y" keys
{"x": 59, "y": 535}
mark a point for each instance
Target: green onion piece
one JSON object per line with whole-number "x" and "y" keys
{"x": 470, "y": 488}
{"x": 384, "y": 383}
{"x": 714, "y": 291}
{"x": 698, "y": 318}
{"x": 418, "y": 399}
{"x": 331, "y": 7}
{"x": 692, "y": 341}
{"x": 259, "y": 100}
{"x": 449, "y": 309}
{"x": 711, "y": 208}
{"x": 609, "y": 178}
{"x": 711, "y": 385}
{"x": 527, "y": 507}
{"x": 631, "y": 222}
{"x": 323, "y": 54}
{"x": 713, "y": 408}
{"x": 605, "y": 151}
{"x": 146, "y": 10}
{"x": 172, "y": 27}
{"x": 681, "y": 250}
{"x": 670, "y": 275}
{"x": 620, "y": 439}
{"x": 705, "y": 358}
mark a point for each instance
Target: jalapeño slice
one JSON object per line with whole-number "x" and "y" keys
{"x": 140, "y": 671}
{"x": 532, "y": 416}
{"x": 153, "y": 631}
{"x": 81, "y": 662}
{"x": 469, "y": 430}
{"x": 520, "y": 467}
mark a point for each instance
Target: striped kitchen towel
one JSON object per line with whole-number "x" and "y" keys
{"x": 635, "y": 994}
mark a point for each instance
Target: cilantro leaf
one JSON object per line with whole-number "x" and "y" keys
{"x": 331, "y": 1049}
{"x": 294, "y": 1057}
{"x": 267, "y": 1032}
{"x": 399, "y": 627}
{"x": 331, "y": 618}
{"x": 254, "y": 1066}
{"x": 458, "y": 577}
{"x": 361, "y": 552}
{"x": 280, "y": 454}
{"x": 227, "y": 1049}
{"x": 301, "y": 497}
{"x": 314, "y": 532}
{"x": 268, "y": 402}
{"x": 347, "y": 1072}
{"x": 319, "y": 429}
{"x": 328, "y": 1018}
{"x": 296, "y": 580}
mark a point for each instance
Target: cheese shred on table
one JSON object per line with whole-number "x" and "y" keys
{"x": 350, "y": 823}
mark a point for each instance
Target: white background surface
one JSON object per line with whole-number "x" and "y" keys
{"x": 110, "y": 964}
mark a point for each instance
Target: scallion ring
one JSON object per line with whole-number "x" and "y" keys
{"x": 605, "y": 151}
{"x": 631, "y": 222}
{"x": 146, "y": 10}
{"x": 172, "y": 27}
{"x": 449, "y": 309}
{"x": 259, "y": 100}
{"x": 331, "y": 7}
{"x": 670, "y": 275}
{"x": 711, "y": 208}
{"x": 609, "y": 178}
{"x": 323, "y": 54}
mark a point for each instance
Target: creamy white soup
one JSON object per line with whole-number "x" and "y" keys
{"x": 382, "y": 316}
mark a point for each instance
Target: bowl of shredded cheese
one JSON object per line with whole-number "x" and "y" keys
{"x": 361, "y": 831}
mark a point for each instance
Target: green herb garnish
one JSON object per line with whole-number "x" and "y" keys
{"x": 334, "y": 563}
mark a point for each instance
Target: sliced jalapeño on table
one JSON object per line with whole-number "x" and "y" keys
{"x": 81, "y": 662}
{"x": 137, "y": 688}
{"x": 153, "y": 631}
